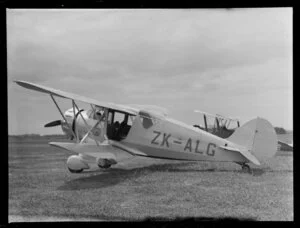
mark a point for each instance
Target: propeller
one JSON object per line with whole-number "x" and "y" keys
{"x": 67, "y": 128}
{"x": 53, "y": 123}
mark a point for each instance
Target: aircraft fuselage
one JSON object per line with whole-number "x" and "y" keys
{"x": 167, "y": 138}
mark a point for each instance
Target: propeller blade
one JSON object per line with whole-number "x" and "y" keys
{"x": 53, "y": 123}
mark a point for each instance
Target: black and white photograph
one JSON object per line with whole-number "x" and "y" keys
{"x": 150, "y": 114}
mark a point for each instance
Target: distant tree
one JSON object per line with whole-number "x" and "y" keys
{"x": 280, "y": 130}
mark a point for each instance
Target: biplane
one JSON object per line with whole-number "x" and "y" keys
{"x": 223, "y": 127}
{"x": 105, "y": 129}
{"x": 218, "y": 124}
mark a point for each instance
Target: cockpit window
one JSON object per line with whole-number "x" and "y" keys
{"x": 146, "y": 119}
{"x": 130, "y": 120}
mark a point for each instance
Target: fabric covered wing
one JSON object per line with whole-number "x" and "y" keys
{"x": 59, "y": 93}
{"x": 102, "y": 151}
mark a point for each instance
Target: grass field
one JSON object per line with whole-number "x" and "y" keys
{"x": 40, "y": 186}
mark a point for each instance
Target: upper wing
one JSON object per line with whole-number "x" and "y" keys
{"x": 228, "y": 118}
{"x": 205, "y": 113}
{"x": 151, "y": 108}
{"x": 217, "y": 115}
{"x": 59, "y": 93}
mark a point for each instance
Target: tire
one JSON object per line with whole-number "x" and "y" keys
{"x": 246, "y": 168}
{"x": 75, "y": 171}
{"x": 105, "y": 166}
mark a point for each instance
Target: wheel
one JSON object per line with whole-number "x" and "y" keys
{"x": 246, "y": 168}
{"x": 106, "y": 166}
{"x": 75, "y": 171}
{"x": 104, "y": 163}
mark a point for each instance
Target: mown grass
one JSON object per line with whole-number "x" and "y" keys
{"x": 139, "y": 188}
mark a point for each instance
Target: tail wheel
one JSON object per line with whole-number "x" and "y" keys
{"x": 75, "y": 171}
{"x": 246, "y": 168}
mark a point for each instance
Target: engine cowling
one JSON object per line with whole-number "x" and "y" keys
{"x": 66, "y": 130}
{"x": 76, "y": 164}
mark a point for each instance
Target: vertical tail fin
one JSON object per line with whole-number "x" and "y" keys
{"x": 258, "y": 137}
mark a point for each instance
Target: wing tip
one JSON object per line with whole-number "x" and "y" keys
{"x": 17, "y": 81}
{"x": 22, "y": 83}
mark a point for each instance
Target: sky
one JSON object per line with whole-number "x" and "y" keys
{"x": 235, "y": 62}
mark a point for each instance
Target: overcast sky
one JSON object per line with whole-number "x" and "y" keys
{"x": 232, "y": 62}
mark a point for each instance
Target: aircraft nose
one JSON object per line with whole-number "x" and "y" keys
{"x": 69, "y": 113}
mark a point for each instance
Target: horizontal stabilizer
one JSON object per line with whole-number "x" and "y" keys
{"x": 245, "y": 153}
{"x": 230, "y": 148}
{"x": 256, "y": 139}
{"x": 250, "y": 157}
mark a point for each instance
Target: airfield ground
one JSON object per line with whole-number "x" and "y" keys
{"x": 42, "y": 189}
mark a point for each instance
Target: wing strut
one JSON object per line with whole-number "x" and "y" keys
{"x": 93, "y": 108}
{"x": 86, "y": 125}
{"x": 205, "y": 122}
{"x": 63, "y": 115}
{"x": 87, "y": 134}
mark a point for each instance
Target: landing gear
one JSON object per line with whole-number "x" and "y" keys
{"x": 104, "y": 166}
{"x": 75, "y": 171}
{"x": 104, "y": 163}
{"x": 245, "y": 168}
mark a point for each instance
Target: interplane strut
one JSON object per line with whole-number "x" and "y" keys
{"x": 75, "y": 134}
{"x": 87, "y": 127}
{"x": 63, "y": 116}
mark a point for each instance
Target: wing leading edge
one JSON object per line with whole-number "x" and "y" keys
{"x": 62, "y": 94}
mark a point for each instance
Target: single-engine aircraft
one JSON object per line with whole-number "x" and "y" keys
{"x": 107, "y": 128}
{"x": 225, "y": 126}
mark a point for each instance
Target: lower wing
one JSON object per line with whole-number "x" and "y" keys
{"x": 104, "y": 150}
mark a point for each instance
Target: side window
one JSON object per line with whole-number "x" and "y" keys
{"x": 146, "y": 119}
{"x": 119, "y": 117}
{"x": 131, "y": 119}
{"x": 110, "y": 115}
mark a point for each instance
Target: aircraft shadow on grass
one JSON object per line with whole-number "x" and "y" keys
{"x": 114, "y": 176}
